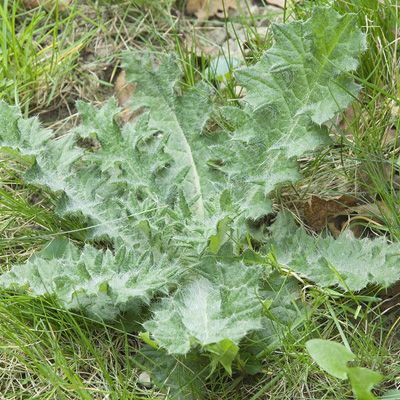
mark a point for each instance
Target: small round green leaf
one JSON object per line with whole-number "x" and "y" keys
{"x": 332, "y": 357}
{"x": 362, "y": 381}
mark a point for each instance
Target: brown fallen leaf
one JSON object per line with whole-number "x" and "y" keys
{"x": 360, "y": 219}
{"x": 319, "y": 213}
{"x": 277, "y": 3}
{"x": 204, "y": 9}
{"x": 123, "y": 91}
{"x": 48, "y": 4}
{"x": 390, "y": 137}
{"x": 282, "y": 3}
{"x": 206, "y": 41}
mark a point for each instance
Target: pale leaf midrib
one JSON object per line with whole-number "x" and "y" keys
{"x": 198, "y": 206}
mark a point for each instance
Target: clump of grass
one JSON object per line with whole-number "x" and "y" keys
{"x": 353, "y": 320}
{"x": 27, "y": 217}
{"x": 47, "y": 352}
{"x": 36, "y": 53}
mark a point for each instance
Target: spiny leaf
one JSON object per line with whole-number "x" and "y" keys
{"x": 98, "y": 282}
{"x": 19, "y": 134}
{"x": 298, "y": 85}
{"x": 208, "y": 310}
{"x": 130, "y": 172}
{"x": 168, "y": 191}
{"x": 177, "y": 118}
{"x": 347, "y": 262}
{"x": 184, "y": 376}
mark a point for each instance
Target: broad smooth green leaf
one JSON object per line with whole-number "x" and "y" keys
{"x": 223, "y": 353}
{"x": 362, "y": 381}
{"x": 332, "y": 357}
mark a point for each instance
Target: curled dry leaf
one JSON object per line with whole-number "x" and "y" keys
{"x": 144, "y": 379}
{"x": 339, "y": 213}
{"x": 207, "y": 42}
{"x": 277, "y": 3}
{"x": 390, "y": 137}
{"x": 319, "y": 213}
{"x": 375, "y": 214}
{"x": 395, "y": 108}
{"x": 204, "y": 9}
{"x": 282, "y": 3}
{"x": 123, "y": 92}
{"x": 48, "y": 4}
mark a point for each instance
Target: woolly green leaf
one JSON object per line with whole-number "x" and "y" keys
{"x": 99, "y": 282}
{"x": 166, "y": 190}
{"x": 183, "y": 376}
{"x": 299, "y": 84}
{"x": 208, "y": 310}
{"x": 165, "y": 161}
{"x": 135, "y": 186}
{"x": 177, "y": 118}
{"x": 19, "y": 134}
{"x": 113, "y": 176}
{"x": 346, "y": 261}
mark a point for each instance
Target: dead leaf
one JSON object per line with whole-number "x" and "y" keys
{"x": 207, "y": 41}
{"x": 123, "y": 89}
{"x": 123, "y": 92}
{"x": 390, "y": 137}
{"x": 204, "y": 9}
{"x": 48, "y": 4}
{"x": 360, "y": 218}
{"x": 376, "y": 214}
{"x": 319, "y": 213}
{"x": 395, "y": 108}
{"x": 277, "y": 3}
